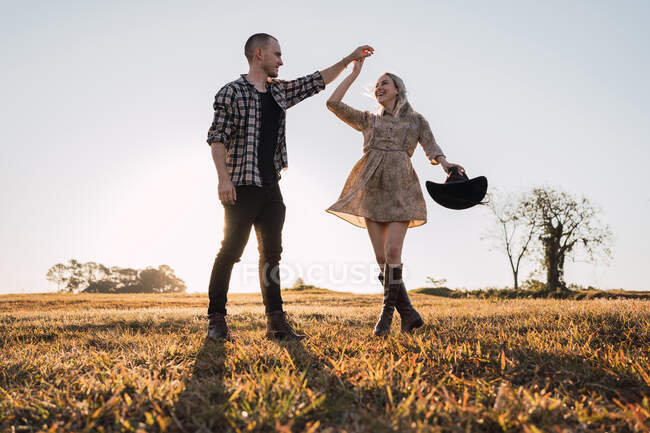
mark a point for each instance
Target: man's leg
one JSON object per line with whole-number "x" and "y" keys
{"x": 239, "y": 219}
{"x": 268, "y": 228}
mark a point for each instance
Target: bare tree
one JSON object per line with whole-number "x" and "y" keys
{"x": 565, "y": 226}
{"x": 511, "y": 233}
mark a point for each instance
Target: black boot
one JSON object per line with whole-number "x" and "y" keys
{"x": 393, "y": 274}
{"x": 277, "y": 327}
{"x": 410, "y": 318}
{"x": 217, "y": 327}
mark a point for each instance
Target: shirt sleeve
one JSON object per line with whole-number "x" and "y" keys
{"x": 223, "y": 123}
{"x": 428, "y": 142}
{"x": 357, "y": 119}
{"x": 302, "y": 88}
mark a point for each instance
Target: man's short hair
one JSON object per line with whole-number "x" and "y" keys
{"x": 258, "y": 40}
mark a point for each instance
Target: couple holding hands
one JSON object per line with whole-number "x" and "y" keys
{"x": 381, "y": 194}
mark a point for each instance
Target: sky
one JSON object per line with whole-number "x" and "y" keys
{"x": 105, "y": 108}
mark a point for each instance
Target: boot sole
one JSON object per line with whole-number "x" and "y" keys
{"x": 284, "y": 337}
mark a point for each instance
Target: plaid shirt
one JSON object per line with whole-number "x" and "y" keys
{"x": 238, "y": 120}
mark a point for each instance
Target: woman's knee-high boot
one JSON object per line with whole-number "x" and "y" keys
{"x": 392, "y": 279}
{"x": 409, "y": 316}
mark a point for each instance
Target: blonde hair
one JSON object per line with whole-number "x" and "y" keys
{"x": 402, "y": 105}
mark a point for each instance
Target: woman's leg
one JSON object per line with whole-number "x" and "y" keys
{"x": 377, "y": 232}
{"x": 396, "y": 233}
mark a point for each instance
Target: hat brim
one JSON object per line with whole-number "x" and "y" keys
{"x": 458, "y": 195}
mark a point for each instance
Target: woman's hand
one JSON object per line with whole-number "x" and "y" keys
{"x": 460, "y": 168}
{"x": 358, "y": 65}
{"x": 446, "y": 166}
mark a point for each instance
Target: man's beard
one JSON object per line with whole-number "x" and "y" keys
{"x": 272, "y": 72}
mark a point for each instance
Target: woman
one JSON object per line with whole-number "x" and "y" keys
{"x": 382, "y": 193}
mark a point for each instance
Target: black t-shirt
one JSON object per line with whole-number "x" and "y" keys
{"x": 269, "y": 138}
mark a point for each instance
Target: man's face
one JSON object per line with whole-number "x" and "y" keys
{"x": 272, "y": 58}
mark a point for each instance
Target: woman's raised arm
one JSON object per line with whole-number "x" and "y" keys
{"x": 339, "y": 92}
{"x": 355, "y": 118}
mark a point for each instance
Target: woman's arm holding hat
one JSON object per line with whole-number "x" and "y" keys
{"x": 431, "y": 148}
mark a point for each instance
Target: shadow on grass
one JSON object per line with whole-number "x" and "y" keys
{"x": 337, "y": 400}
{"x": 201, "y": 406}
{"x": 340, "y": 402}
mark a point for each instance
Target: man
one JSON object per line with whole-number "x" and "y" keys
{"x": 247, "y": 140}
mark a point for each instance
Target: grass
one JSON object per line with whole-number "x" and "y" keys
{"x": 136, "y": 363}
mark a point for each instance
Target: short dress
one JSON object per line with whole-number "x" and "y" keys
{"x": 383, "y": 185}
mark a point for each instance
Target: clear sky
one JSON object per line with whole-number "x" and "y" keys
{"x": 105, "y": 108}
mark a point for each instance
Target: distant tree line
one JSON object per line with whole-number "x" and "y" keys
{"x": 91, "y": 277}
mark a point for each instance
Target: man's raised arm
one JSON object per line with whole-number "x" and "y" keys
{"x": 304, "y": 87}
{"x": 333, "y": 71}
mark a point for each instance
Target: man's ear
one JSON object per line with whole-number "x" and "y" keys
{"x": 258, "y": 53}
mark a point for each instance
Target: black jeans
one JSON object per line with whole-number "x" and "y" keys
{"x": 263, "y": 208}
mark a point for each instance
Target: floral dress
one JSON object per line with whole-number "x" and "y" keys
{"x": 383, "y": 185}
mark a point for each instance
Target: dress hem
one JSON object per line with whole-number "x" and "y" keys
{"x": 359, "y": 220}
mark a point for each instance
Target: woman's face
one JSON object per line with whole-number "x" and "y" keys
{"x": 385, "y": 91}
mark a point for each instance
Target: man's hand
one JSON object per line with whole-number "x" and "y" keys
{"x": 227, "y": 192}
{"x": 361, "y": 53}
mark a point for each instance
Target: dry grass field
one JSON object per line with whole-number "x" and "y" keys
{"x": 136, "y": 363}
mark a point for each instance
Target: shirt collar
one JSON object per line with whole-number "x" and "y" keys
{"x": 405, "y": 110}
{"x": 244, "y": 80}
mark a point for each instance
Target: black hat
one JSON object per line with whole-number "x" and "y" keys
{"x": 458, "y": 191}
